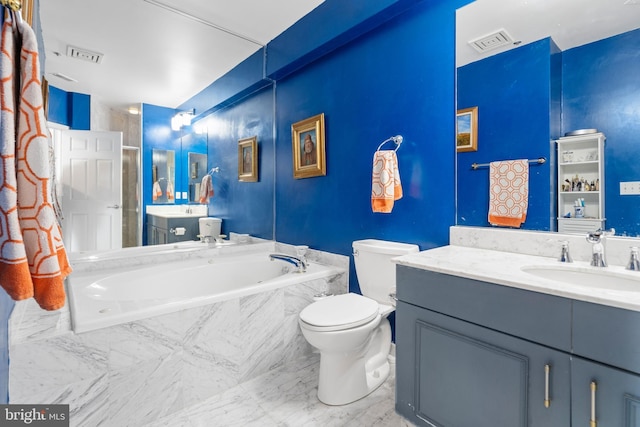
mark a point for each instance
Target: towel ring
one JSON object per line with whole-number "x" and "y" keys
{"x": 396, "y": 140}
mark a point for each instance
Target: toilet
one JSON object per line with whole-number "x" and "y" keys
{"x": 209, "y": 228}
{"x": 351, "y": 331}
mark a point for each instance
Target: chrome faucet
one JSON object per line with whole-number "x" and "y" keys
{"x": 597, "y": 250}
{"x": 564, "y": 255}
{"x": 634, "y": 262}
{"x": 300, "y": 264}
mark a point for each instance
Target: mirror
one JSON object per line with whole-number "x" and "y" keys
{"x": 197, "y": 171}
{"x": 163, "y": 177}
{"x": 566, "y": 67}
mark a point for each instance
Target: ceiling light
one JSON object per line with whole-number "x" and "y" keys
{"x": 134, "y": 111}
{"x": 65, "y": 77}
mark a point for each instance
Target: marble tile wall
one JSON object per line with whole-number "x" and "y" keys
{"x": 134, "y": 373}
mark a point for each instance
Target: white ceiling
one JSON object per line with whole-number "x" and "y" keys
{"x": 156, "y": 56}
{"x": 570, "y": 23}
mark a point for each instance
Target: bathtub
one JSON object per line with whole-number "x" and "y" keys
{"x": 98, "y": 299}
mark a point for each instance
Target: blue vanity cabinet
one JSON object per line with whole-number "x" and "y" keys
{"x": 161, "y": 229}
{"x": 609, "y": 338}
{"x": 604, "y": 394}
{"x": 475, "y": 354}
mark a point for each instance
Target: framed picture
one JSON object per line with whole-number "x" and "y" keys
{"x": 248, "y": 159}
{"x": 467, "y": 129}
{"x": 309, "y": 157}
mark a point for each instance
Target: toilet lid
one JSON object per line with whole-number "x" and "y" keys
{"x": 344, "y": 311}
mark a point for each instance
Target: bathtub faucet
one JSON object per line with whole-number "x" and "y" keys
{"x": 300, "y": 264}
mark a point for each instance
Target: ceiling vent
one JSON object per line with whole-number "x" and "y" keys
{"x": 492, "y": 41}
{"x": 84, "y": 54}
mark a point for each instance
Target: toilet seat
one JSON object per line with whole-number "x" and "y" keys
{"x": 340, "y": 312}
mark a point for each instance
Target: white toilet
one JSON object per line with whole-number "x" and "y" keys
{"x": 209, "y": 228}
{"x": 352, "y": 331}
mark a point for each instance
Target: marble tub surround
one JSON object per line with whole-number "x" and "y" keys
{"x": 134, "y": 373}
{"x": 480, "y": 261}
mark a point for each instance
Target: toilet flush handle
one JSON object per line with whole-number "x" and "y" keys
{"x": 393, "y": 297}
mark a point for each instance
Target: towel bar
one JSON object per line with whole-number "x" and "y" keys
{"x": 538, "y": 161}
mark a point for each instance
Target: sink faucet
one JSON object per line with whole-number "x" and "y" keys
{"x": 300, "y": 264}
{"x": 634, "y": 262}
{"x": 596, "y": 238}
{"x": 564, "y": 255}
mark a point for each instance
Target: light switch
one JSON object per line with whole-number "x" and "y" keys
{"x": 184, "y": 195}
{"x": 629, "y": 188}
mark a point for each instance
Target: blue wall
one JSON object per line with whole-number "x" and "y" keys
{"x": 244, "y": 207}
{"x": 600, "y": 90}
{"x": 384, "y": 75}
{"x": 69, "y": 109}
{"x": 514, "y": 92}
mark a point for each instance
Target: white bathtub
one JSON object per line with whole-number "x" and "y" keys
{"x": 106, "y": 298}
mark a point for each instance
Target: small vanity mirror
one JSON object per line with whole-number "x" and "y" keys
{"x": 163, "y": 175}
{"x": 197, "y": 171}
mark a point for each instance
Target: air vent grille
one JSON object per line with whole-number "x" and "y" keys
{"x": 491, "y": 41}
{"x": 84, "y": 54}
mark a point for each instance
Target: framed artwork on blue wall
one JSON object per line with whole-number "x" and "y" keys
{"x": 248, "y": 159}
{"x": 467, "y": 129}
{"x": 309, "y": 157}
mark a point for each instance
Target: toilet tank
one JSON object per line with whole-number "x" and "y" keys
{"x": 374, "y": 269}
{"x": 209, "y": 226}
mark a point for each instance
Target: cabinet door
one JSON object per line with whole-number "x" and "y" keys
{"x": 613, "y": 400}
{"x": 453, "y": 373}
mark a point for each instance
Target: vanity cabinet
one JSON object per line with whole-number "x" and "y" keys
{"x": 472, "y": 353}
{"x": 581, "y": 181}
{"x": 159, "y": 229}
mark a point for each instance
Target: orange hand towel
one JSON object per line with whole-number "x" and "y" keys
{"x": 206, "y": 189}
{"x": 170, "y": 192}
{"x": 157, "y": 191}
{"x": 508, "y": 192}
{"x": 33, "y": 261}
{"x": 386, "y": 187}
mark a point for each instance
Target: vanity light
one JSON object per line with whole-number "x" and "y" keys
{"x": 182, "y": 119}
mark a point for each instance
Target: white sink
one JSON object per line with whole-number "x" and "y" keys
{"x": 587, "y": 276}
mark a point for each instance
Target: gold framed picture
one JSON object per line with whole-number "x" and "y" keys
{"x": 248, "y": 159}
{"x": 467, "y": 129}
{"x": 309, "y": 158}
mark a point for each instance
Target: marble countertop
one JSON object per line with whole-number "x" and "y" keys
{"x": 505, "y": 268}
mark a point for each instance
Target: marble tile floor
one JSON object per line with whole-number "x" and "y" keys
{"x": 287, "y": 398}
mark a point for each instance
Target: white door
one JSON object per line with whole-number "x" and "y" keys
{"x": 91, "y": 177}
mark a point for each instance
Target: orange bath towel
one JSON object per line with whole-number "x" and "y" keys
{"x": 206, "y": 189}
{"x": 386, "y": 187}
{"x": 33, "y": 261}
{"x": 508, "y": 192}
{"x": 170, "y": 191}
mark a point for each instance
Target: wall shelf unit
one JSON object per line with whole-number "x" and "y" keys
{"x": 581, "y": 183}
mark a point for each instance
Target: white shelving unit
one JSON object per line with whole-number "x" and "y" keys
{"x": 581, "y": 177}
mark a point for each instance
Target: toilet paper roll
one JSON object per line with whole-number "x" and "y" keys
{"x": 180, "y": 231}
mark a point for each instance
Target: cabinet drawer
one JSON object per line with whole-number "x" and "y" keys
{"x": 607, "y": 334}
{"x": 541, "y": 318}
